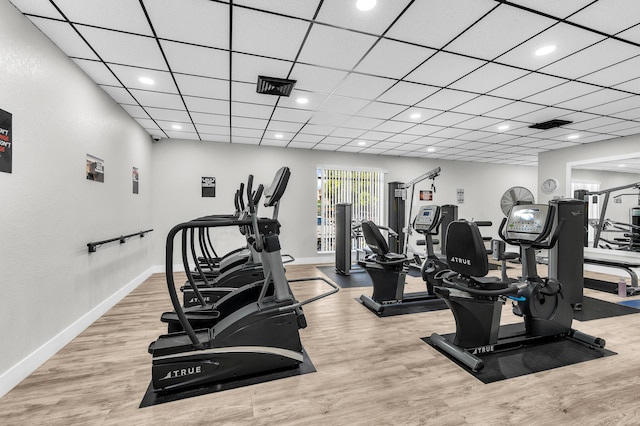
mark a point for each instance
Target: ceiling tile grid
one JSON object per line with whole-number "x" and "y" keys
{"x": 461, "y": 76}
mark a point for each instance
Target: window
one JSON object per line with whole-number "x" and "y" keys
{"x": 364, "y": 189}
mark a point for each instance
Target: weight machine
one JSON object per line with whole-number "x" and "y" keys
{"x": 397, "y": 216}
{"x": 633, "y": 227}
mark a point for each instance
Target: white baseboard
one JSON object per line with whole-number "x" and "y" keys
{"x": 20, "y": 371}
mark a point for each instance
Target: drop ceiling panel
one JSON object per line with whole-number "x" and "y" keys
{"x": 318, "y": 129}
{"x": 332, "y": 47}
{"x": 434, "y": 23}
{"x": 301, "y": 9}
{"x": 120, "y": 95}
{"x": 176, "y": 127}
{"x": 65, "y": 37}
{"x": 406, "y": 93}
{"x": 292, "y": 115}
{"x": 443, "y": 69}
{"x": 446, "y": 99}
{"x": 612, "y": 108}
{"x": 316, "y": 79}
{"x": 594, "y": 99}
{"x": 609, "y": 16}
{"x": 247, "y": 68}
{"x": 202, "y": 87}
{"x": 41, "y": 8}
{"x": 182, "y": 135}
{"x": 148, "y": 98}
{"x": 98, "y": 72}
{"x": 249, "y": 123}
{"x": 448, "y": 119}
{"x": 541, "y": 115}
{"x": 504, "y": 28}
{"x": 211, "y": 120}
{"x": 381, "y": 110}
{"x": 247, "y": 133}
{"x": 402, "y": 138}
{"x": 204, "y": 105}
{"x": 345, "y": 14}
{"x": 343, "y": 105}
{"x": 567, "y": 39}
{"x": 160, "y": 114}
{"x": 422, "y": 130}
{"x": 562, "y": 93}
{"x": 482, "y": 105}
{"x": 314, "y": 100}
{"x": 251, "y": 110}
{"x": 615, "y": 74}
{"x": 140, "y": 51}
{"x": 514, "y": 109}
{"x": 307, "y": 138}
{"x": 393, "y": 59}
{"x": 130, "y": 77}
{"x": 449, "y": 132}
{"x": 559, "y": 9}
{"x": 608, "y": 53}
{"x": 274, "y": 142}
{"x": 478, "y": 122}
{"x": 266, "y": 34}
{"x": 363, "y": 86}
{"x": 364, "y": 123}
{"x": 527, "y": 86}
{"x": 148, "y": 124}
{"x": 488, "y": 78}
{"x": 205, "y": 23}
{"x": 195, "y": 60}
{"x": 121, "y": 15}
{"x": 599, "y": 122}
{"x": 284, "y": 127}
{"x": 328, "y": 118}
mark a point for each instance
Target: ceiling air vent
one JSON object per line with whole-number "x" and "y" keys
{"x": 550, "y": 124}
{"x": 275, "y": 86}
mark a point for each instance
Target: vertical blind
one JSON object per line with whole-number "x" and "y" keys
{"x": 363, "y": 189}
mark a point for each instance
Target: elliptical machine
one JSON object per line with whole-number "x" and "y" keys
{"x": 476, "y": 301}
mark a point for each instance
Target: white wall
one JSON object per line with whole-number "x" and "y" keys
{"x": 51, "y": 287}
{"x": 557, "y": 163}
{"x": 180, "y": 164}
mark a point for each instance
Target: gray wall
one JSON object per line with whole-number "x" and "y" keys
{"x": 50, "y": 211}
{"x": 178, "y": 166}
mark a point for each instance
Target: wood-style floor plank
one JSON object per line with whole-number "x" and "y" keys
{"x": 370, "y": 370}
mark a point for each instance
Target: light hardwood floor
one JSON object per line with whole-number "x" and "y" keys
{"x": 370, "y": 371}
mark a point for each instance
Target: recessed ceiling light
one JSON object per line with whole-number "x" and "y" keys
{"x": 545, "y": 50}
{"x": 415, "y": 115}
{"x": 176, "y": 127}
{"x": 431, "y": 149}
{"x": 302, "y": 101}
{"x": 362, "y": 143}
{"x": 573, "y": 136}
{"x": 503, "y": 127}
{"x": 146, "y": 80}
{"x": 278, "y": 135}
{"x": 622, "y": 165}
{"x": 365, "y": 5}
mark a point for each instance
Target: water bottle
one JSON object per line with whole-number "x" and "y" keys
{"x": 622, "y": 287}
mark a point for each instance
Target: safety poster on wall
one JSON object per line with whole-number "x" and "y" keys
{"x": 136, "y": 179}
{"x": 6, "y": 150}
{"x": 95, "y": 168}
{"x": 208, "y": 187}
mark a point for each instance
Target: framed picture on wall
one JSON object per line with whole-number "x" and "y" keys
{"x": 95, "y": 168}
{"x": 135, "y": 178}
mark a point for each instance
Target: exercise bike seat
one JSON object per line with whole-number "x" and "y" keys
{"x": 378, "y": 245}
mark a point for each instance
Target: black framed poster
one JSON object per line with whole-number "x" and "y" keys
{"x": 208, "y": 187}
{"x": 6, "y": 150}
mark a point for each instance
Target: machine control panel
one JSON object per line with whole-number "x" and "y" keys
{"x": 426, "y": 218}
{"x": 527, "y": 222}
